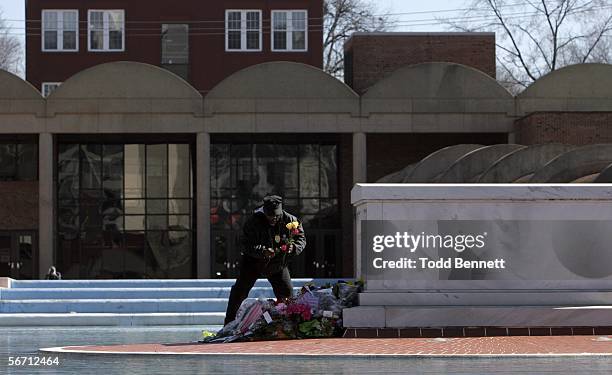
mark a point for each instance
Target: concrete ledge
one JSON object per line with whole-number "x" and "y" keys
{"x": 487, "y": 298}
{"x": 5, "y": 282}
{"x": 411, "y": 317}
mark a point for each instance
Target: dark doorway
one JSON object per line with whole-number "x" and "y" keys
{"x": 19, "y": 255}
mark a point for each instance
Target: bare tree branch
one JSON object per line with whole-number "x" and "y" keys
{"x": 342, "y": 19}
{"x": 10, "y": 49}
{"x": 540, "y": 36}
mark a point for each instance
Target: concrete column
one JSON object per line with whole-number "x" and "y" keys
{"x": 46, "y": 204}
{"x": 360, "y": 174}
{"x": 203, "y": 206}
{"x": 360, "y": 158}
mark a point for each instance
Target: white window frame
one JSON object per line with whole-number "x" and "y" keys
{"x": 289, "y": 30}
{"x": 243, "y": 30}
{"x": 42, "y": 88}
{"x": 60, "y": 30}
{"x": 106, "y": 31}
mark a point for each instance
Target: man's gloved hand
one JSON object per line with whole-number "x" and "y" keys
{"x": 269, "y": 253}
{"x": 266, "y": 251}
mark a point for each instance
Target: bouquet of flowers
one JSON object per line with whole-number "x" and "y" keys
{"x": 286, "y": 242}
{"x": 315, "y": 312}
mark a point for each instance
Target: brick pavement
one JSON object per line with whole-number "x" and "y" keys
{"x": 463, "y": 346}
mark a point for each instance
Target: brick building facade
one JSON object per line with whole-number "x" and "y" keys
{"x": 372, "y": 56}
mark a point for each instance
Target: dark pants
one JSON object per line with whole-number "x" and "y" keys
{"x": 250, "y": 270}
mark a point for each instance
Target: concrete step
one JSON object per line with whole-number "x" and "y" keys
{"x": 115, "y": 306}
{"x": 110, "y": 319}
{"x": 128, "y": 293}
{"x": 487, "y": 298}
{"x": 467, "y": 316}
{"x": 130, "y": 284}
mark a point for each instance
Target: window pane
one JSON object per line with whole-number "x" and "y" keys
{"x": 8, "y": 162}
{"x": 91, "y": 166}
{"x": 113, "y": 171}
{"x": 253, "y": 21}
{"x": 180, "y": 222}
{"x": 180, "y": 206}
{"x": 233, "y": 20}
{"x": 134, "y": 223}
{"x": 179, "y": 161}
{"x": 97, "y": 40}
{"x": 309, "y": 171}
{"x": 68, "y": 173}
{"x": 69, "y": 39}
{"x": 115, "y": 20}
{"x": 299, "y": 40}
{"x": 157, "y": 206}
{"x": 233, "y": 40}
{"x": 175, "y": 44}
{"x": 252, "y": 39}
{"x": 329, "y": 170}
{"x": 134, "y": 207}
{"x": 280, "y": 21}
{"x": 51, "y": 21}
{"x": 50, "y": 39}
{"x": 298, "y": 21}
{"x": 27, "y": 162}
{"x": 134, "y": 165}
{"x": 115, "y": 40}
{"x": 157, "y": 171}
{"x": 280, "y": 40}
{"x": 96, "y": 30}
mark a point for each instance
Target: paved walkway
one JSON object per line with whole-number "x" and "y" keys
{"x": 420, "y": 347}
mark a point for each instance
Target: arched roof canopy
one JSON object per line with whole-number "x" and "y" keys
{"x": 15, "y": 88}
{"x": 19, "y": 97}
{"x": 581, "y": 87}
{"x": 125, "y": 87}
{"x": 281, "y": 87}
{"x": 439, "y": 88}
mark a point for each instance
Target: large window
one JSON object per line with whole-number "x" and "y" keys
{"x": 175, "y": 49}
{"x": 243, "y": 30}
{"x": 305, "y": 175}
{"x": 18, "y": 161}
{"x": 60, "y": 30}
{"x": 106, "y": 30}
{"x": 125, "y": 210}
{"x": 289, "y": 30}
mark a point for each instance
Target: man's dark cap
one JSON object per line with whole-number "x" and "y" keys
{"x": 273, "y": 205}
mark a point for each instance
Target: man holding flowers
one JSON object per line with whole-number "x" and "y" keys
{"x": 271, "y": 238}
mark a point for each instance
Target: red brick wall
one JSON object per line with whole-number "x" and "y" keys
{"x": 389, "y": 153}
{"x": 565, "y": 127}
{"x": 373, "y": 57}
{"x": 209, "y": 63}
{"x": 18, "y": 205}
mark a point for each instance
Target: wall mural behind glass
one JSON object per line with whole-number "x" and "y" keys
{"x": 125, "y": 211}
{"x": 306, "y": 175}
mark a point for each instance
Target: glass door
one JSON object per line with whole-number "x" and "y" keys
{"x": 6, "y": 261}
{"x": 18, "y": 255}
{"x": 25, "y": 256}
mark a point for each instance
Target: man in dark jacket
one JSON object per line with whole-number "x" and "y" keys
{"x": 268, "y": 247}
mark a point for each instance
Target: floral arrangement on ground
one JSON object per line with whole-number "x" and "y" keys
{"x": 315, "y": 313}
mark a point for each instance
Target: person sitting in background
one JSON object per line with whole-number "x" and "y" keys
{"x": 53, "y": 274}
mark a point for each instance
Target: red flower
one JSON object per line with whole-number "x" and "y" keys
{"x": 295, "y": 231}
{"x": 284, "y": 248}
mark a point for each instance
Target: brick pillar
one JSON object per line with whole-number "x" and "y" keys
{"x": 203, "y": 206}
{"x": 46, "y": 204}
